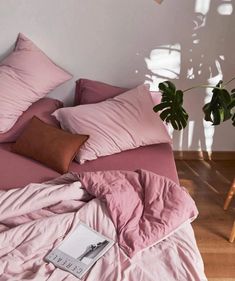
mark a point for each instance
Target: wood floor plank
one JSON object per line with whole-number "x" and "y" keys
{"x": 208, "y": 183}
{"x": 221, "y": 279}
{"x": 218, "y": 267}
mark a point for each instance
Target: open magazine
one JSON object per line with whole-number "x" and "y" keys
{"x": 79, "y": 250}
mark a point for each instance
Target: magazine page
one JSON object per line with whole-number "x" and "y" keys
{"x": 79, "y": 250}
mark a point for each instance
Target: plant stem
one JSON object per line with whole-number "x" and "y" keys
{"x": 202, "y": 86}
{"x": 229, "y": 81}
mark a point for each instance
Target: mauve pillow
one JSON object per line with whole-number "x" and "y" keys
{"x": 124, "y": 122}
{"x": 26, "y": 75}
{"x": 42, "y": 108}
{"x": 49, "y": 145}
{"x": 89, "y": 91}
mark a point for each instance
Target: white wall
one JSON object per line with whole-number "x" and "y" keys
{"x": 127, "y": 42}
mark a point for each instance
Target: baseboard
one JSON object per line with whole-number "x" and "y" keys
{"x": 204, "y": 155}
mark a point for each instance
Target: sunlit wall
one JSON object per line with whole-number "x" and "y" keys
{"x": 188, "y": 59}
{"x": 126, "y": 43}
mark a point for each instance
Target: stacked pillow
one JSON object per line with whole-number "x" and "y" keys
{"x": 42, "y": 108}
{"x": 124, "y": 122}
{"x": 26, "y": 76}
{"x": 90, "y": 91}
{"x": 108, "y": 120}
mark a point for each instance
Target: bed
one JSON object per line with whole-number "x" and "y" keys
{"x": 130, "y": 194}
{"x": 35, "y": 216}
{"x": 176, "y": 257}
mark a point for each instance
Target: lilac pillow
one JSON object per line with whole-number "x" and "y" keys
{"x": 89, "y": 91}
{"x": 124, "y": 122}
{"x": 42, "y": 108}
{"x": 26, "y": 75}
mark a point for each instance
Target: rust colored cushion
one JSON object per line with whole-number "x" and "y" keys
{"x": 49, "y": 145}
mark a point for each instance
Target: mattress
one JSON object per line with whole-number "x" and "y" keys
{"x": 17, "y": 171}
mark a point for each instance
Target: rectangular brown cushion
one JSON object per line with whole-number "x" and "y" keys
{"x": 49, "y": 145}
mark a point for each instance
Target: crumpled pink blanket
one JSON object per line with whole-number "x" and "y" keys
{"x": 137, "y": 209}
{"x": 144, "y": 207}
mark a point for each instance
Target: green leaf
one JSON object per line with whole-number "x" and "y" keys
{"x": 174, "y": 124}
{"x": 216, "y": 117}
{"x": 167, "y": 86}
{"x": 207, "y": 112}
{"x": 179, "y": 97}
{"x": 232, "y": 105}
{"x": 161, "y": 106}
{"x": 171, "y": 107}
{"x": 217, "y": 110}
{"x": 225, "y": 96}
{"x": 233, "y": 119}
{"x": 165, "y": 113}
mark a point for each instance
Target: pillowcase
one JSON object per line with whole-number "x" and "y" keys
{"x": 26, "y": 75}
{"x": 89, "y": 91}
{"x": 121, "y": 123}
{"x": 42, "y": 108}
{"x": 49, "y": 145}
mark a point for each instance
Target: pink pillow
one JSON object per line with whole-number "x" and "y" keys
{"x": 121, "y": 123}
{"x": 42, "y": 108}
{"x": 89, "y": 91}
{"x": 26, "y": 75}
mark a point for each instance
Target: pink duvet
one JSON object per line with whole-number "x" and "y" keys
{"x": 148, "y": 215}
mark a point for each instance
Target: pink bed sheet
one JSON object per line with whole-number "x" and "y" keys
{"x": 17, "y": 171}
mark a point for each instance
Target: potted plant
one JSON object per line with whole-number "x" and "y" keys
{"x": 219, "y": 109}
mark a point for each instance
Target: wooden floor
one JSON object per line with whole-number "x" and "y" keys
{"x": 208, "y": 183}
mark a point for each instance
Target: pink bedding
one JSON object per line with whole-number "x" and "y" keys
{"x": 44, "y": 214}
{"x": 144, "y": 207}
{"x": 156, "y": 158}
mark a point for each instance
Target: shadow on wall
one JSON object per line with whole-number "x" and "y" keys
{"x": 197, "y": 54}
{"x": 7, "y": 52}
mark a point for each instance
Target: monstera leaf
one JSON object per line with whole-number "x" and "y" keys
{"x": 218, "y": 110}
{"x": 171, "y": 107}
{"x": 232, "y": 106}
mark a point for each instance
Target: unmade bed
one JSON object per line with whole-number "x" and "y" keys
{"x": 123, "y": 184}
{"x": 148, "y": 216}
{"x": 39, "y": 216}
